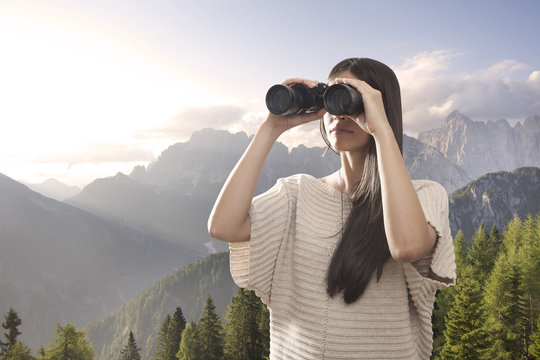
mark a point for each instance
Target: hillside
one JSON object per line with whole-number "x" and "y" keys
{"x": 144, "y": 313}
{"x": 61, "y": 264}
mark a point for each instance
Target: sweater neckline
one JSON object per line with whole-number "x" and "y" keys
{"x": 328, "y": 188}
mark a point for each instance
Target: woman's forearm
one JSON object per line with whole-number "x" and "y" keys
{"x": 409, "y": 236}
{"x": 229, "y": 220}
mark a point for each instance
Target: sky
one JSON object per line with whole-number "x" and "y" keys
{"x": 92, "y": 88}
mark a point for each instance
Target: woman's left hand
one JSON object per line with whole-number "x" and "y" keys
{"x": 373, "y": 120}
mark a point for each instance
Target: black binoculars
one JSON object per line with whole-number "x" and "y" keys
{"x": 338, "y": 99}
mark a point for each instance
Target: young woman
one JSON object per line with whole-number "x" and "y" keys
{"x": 348, "y": 264}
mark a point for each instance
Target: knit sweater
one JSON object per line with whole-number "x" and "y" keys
{"x": 294, "y": 233}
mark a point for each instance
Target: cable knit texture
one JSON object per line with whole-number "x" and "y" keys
{"x": 294, "y": 233}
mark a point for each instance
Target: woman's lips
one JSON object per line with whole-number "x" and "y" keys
{"x": 340, "y": 131}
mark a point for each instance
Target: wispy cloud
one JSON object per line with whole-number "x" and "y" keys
{"x": 430, "y": 92}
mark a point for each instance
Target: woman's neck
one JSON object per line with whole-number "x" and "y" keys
{"x": 352, "y": 169}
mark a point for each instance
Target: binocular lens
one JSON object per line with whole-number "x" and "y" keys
{"x": 343, "y": 99}
{"x": 338, "y": 99}
{"x": 280, "y": 99}
{"x": 285, "y": 100}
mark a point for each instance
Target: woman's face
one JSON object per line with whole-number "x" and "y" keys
{"x": 342, "y": 131}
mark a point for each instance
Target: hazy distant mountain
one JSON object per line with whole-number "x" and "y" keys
{"x": 54, "y": 189}
{"x": 480, "y": 148}
{"x": 494, "y": 199}
{"x": 61, "y": 264}
{"x": 144, "y": 313}
{"x": 174, "y": 195}
{"x": 426, "y": 162}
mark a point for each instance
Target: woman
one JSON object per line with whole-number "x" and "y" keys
{"x": 348, "y": 264}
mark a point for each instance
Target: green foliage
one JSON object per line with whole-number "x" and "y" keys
{"x": 529, "y": 282}
{"x": 188, "y": 287}
{"x": 69, "y": 343}
{"x": 513, "y": 291}
{"x": 247, "y": 331}
{"x": 493, "y": 311}
{"x": 174, "y": 333}
{"x": 170, "y": 335}
{"x": 130, "y": 351}
{"x": 210, "y": 332}
{"x": 484, "y": 249}
{"x": 19, "y": 351}
{"x": 11, "y": 324}
{"x": 190, "y": 345}
{"x": 460, "y": 250}
{"x": 534, "y": 348}
{"x": 465, "y": 336}
{"x": 163, "y": 339}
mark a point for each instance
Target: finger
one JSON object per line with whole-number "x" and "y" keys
{"x": 291, "y": 81}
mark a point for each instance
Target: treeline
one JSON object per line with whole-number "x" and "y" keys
{"x": 244, "y": 335}
{"x": 493, "y": 311}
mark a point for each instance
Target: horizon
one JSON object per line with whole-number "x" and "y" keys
{"x": 93, "y": 89}
{"x": 290, "y": 148}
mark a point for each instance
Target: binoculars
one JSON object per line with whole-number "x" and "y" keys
{"x": 338, "y": 99}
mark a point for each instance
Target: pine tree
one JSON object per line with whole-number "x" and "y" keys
{"x": 163, "y": 340}
{"x": 190, "y": 346}
{"x": 534, "y": 348}
{"x": 529, "y": 284}
{"x": 445, "y": 297}
{"x": 19, "y": 351}
{"x": 245, "y": 335}
{"x": 503, "y": 300}
{"x": 130, "y": 350}
{"x": 69, "y": 344}
{"x": 210, "y": 332}
{"x": 174, "y": 333}
{"x": 40, "y": 354}
{"x": 460, "y": 251}
{"x": 482, "y": 254}
{"x": 465, "y": 336}
{"x": 264, "y": 330}
{"x": 11, "y": 324}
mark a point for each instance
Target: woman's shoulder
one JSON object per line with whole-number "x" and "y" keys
{"x": 429, "y": 185}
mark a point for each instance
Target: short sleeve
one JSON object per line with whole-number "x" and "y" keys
{"x": 253, "y": 262}
{"x": 435, "y": 271}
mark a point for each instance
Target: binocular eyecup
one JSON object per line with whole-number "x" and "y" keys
{"x": 338, "y": 99}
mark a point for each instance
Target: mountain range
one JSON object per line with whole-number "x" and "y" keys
{"x": 59, "y": 263}
{"x": 75, "y": 261}
{"x": 482, "y": 147}
{"x": 501, "y": 193}
{"x": 54, "y": 189}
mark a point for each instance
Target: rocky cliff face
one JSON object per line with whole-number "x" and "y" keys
{"x": 479, "y": 148}
{"x": 426, "y": 162}
{"x": 494, "y": 199}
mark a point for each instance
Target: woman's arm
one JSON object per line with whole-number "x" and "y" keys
{"x": 409, "y": 235}
{"x": 229, "y": 220}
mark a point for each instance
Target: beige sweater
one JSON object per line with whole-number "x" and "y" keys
{"x": 293, "y": 237}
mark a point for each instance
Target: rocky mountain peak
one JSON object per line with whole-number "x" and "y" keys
{"x": 456, "y": 117}
{"x": 480, "y": 148}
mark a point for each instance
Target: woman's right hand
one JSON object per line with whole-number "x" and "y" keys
{"x": 282, "y": 123}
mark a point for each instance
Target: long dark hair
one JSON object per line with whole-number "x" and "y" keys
{"x": 363, "y": 248}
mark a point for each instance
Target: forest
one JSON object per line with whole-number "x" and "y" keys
{"x": 492, "y": 312}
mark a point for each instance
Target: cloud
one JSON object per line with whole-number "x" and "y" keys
{"x": 430, "y": 91}
{"x": 105, "y": 151}
{"x": 190, "y": 119}
{"x": 430, "y": 87}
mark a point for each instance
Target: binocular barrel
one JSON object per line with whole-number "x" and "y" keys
{"x": 338, "y": 99}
